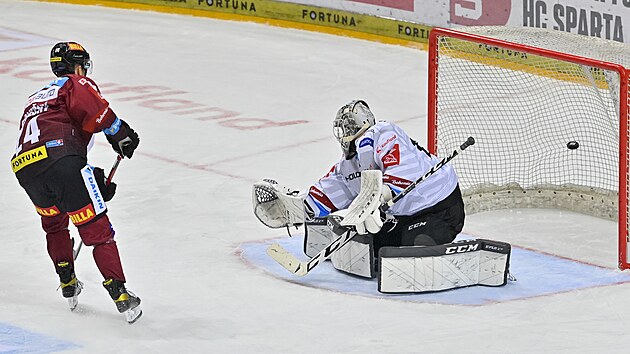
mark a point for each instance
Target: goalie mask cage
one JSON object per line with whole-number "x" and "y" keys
{"x": 549, "y": 112}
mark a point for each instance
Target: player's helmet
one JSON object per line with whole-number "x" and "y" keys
{"x": 65, "y": 55}
{"x": 352, "y": 120}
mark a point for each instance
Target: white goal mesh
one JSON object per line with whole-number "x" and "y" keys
{"x": 549, "y": 112}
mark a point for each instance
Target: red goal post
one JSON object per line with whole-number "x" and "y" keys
{"x": 549, "y": 112}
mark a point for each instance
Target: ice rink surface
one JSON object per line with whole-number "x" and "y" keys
{"x": 219, "y": 105}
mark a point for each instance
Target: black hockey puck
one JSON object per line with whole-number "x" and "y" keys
{"x": 572, "y": 145}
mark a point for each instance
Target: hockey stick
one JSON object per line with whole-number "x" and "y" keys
{"x": 301, "y": 268}
{"x": 110, "y": 176}
{"x": 470, "y": 141}
{"x": 113, "y": 170}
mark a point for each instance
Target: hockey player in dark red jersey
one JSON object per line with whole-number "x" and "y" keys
{"x": 50, "y": 163}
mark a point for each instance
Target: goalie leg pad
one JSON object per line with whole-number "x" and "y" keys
{"x": 417, "y": 269}
{"x": 317, "y": 235}
{"x": 356, "y": 257}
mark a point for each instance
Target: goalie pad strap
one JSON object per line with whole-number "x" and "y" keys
{"x": 417, "y": 269}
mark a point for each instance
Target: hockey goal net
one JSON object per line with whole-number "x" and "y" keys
{"x": 549, "y": 112}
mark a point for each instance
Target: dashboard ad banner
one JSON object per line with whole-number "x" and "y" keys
{"x": 598, "y": 18}
{"x": 608, "y": 19}
{"x": 380, "y": 21}
{"x": 425, "y": 12}
{"x": 412, "y": 19}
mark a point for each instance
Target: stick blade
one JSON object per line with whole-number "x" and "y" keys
{"x": 286, "y": 259}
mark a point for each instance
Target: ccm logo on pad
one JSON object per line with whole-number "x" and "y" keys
{"x": 462, "y": 248}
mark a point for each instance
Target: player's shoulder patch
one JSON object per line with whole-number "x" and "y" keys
{"x": 392, "y": 157}
{"x": 366, "y": 142}
{"x": 59, "y": 82}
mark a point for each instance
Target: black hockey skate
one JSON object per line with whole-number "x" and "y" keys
{"x": 70, "y": 286}
{"x": 126, "y": 301}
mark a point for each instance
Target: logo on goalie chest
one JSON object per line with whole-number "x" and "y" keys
{"x": 352, "y": 176}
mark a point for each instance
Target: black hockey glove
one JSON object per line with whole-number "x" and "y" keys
{"x": 107, "y": 190}
{"x": 125, "y": 141}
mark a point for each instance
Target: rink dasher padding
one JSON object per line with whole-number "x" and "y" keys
{"x": 537, "y": 274}
{"x": 19, "y": 340}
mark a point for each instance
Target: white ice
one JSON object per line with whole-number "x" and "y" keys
{"x": 183, "y": 204}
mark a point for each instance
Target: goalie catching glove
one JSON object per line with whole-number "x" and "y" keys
{"x": 277, "y": 206}
{"x": 364, "y": 213}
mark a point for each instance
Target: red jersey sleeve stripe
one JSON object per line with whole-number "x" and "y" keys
{"x": 320, "y": 197}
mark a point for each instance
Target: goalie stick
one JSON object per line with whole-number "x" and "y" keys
{"x": 110, "y": 176}
{"x": 301, "y": 268}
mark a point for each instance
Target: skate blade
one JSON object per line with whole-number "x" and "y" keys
{"x": 73, "y": 302}
{"x": 132, "y": 315}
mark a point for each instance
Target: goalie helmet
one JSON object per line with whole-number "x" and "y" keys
{"x": 352, "y": 120}
{"x": 65, "y": 55}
